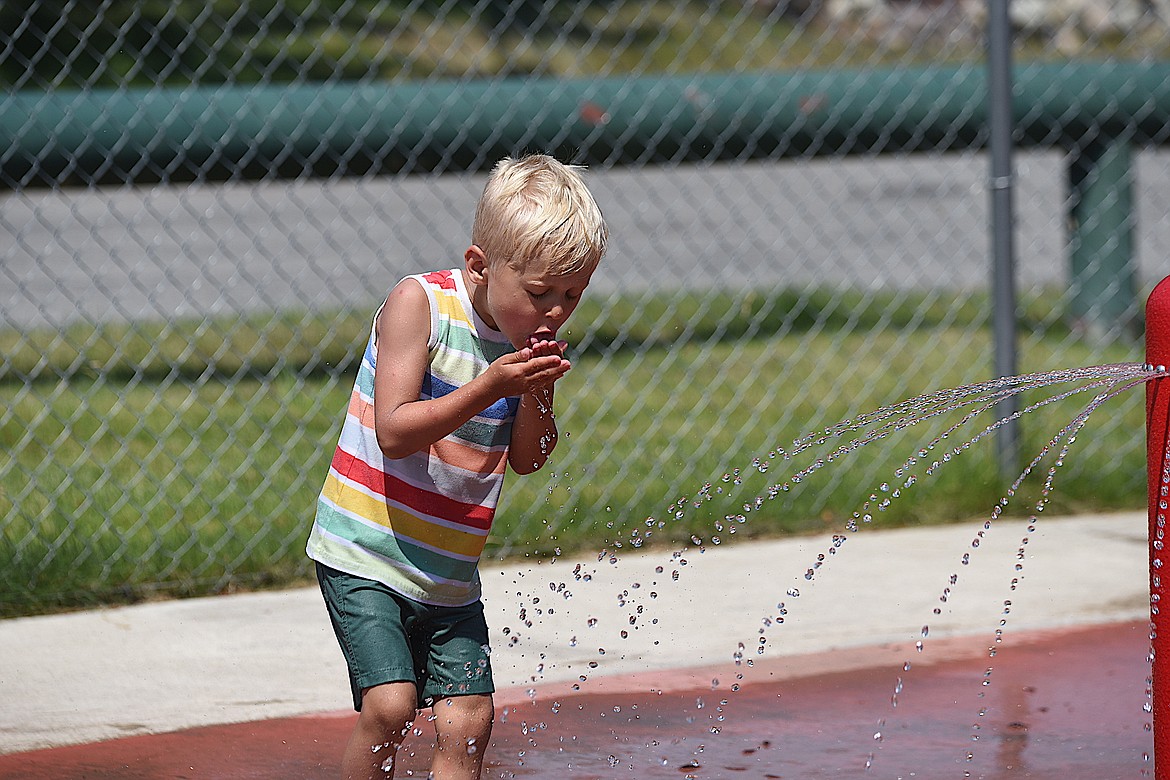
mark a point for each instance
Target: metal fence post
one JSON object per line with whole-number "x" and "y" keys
{"x": 1003, "y": 261}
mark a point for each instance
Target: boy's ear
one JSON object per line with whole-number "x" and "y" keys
{"x": 476, "y": 262}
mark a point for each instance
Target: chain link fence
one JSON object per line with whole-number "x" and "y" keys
{"x": 203, "y": 204}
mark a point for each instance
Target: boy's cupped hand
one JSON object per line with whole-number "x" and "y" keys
{"x": 541, "y": 346}
{"x": 532, "y": 367}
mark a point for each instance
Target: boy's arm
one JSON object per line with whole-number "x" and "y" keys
{"x": 403, "y": 423}
{"x": 534, "y": 432}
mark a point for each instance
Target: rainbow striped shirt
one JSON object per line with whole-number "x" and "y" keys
{"x": 419, "y": 524}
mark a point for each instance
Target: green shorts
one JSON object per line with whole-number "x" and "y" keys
{"x": 386, "y": 637}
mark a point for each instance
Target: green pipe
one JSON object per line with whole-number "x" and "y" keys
{"x": 279, "y": 130}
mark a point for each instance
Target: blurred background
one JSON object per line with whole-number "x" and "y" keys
{"x": 202, "y": 204}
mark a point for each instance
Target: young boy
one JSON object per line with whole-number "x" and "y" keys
{"x": 456, "y": 381}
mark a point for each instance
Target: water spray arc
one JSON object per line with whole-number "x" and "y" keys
{"x": 1158, "y": 475}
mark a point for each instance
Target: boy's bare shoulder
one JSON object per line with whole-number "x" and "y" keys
{"x": 407, "y": 308}
{"x": 409, "y": 292}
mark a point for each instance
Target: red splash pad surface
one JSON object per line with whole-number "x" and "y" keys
{"x": 1065, "y": 704}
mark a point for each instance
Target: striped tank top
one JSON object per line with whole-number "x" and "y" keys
{"x": 419, "y": 524}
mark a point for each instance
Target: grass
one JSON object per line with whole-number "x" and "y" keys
{"x": 199, "y": 475}
{"x": 307, "y": 343}
{"x": 115, "y": 489}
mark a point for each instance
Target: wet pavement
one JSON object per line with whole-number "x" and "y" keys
{"x": 1063, "y": 704}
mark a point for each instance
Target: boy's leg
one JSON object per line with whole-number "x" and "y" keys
{"x": 458, "y": 682}
{"x": 372, "y": 623}
{"x": 386, "y": 716}
{"x": 463, "y": 725}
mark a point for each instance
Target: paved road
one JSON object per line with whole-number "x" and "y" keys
{"x": 158, "y": 252}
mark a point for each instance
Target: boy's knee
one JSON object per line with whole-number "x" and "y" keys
{"x": 390, "y": 709}
{"x": 464, "y": 716}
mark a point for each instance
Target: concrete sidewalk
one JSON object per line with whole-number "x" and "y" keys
{"x": 91, "y": 676}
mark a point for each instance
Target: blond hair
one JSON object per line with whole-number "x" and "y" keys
{"x": 537, "y": 210}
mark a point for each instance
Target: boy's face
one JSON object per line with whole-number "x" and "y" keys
{"x": 523, "y": 304}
